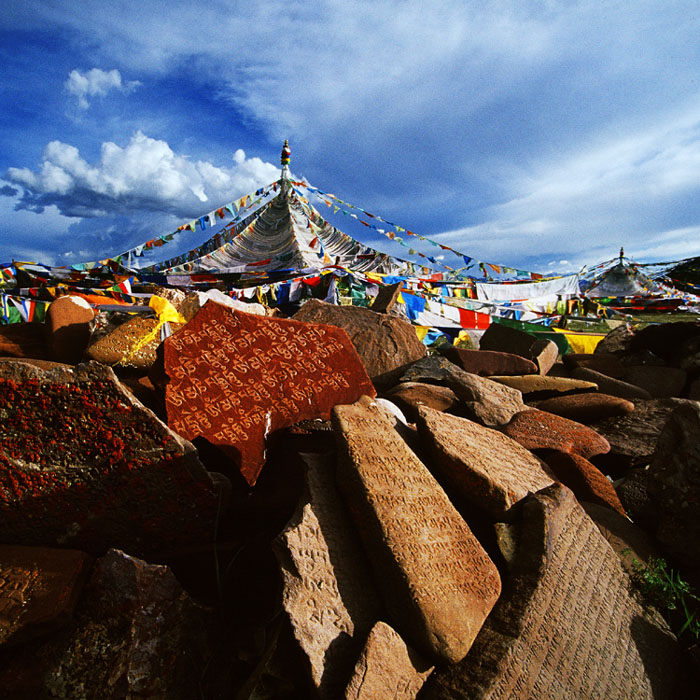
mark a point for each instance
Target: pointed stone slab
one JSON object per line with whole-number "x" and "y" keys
{"x": 567, "y": 626}
{"x": 84, "y": 464}
{"x": 235, "y": 377}
{"x": 38, "y": 589}
{"x": 437, "y": 581}
{"x": 327, "y": 590}
{"x": 484, "y": 466}
{"x": 387, "y": 669}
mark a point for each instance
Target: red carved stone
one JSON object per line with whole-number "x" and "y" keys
{"x": 585, "y": 479}
{"x": 538, "y": 430}
{"x": 236, "y": 377}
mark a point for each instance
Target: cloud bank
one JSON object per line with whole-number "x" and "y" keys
{"x": 144, "y": 176}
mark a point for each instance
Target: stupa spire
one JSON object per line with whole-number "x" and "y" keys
{"x": 284, "y": 160}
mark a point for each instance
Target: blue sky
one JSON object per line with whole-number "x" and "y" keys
{"x": 536, "y": 135}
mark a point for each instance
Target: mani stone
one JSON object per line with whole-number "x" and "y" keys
{"x": 631, "y": 544}
{"x": 665, "y": 339}
{"x": 84, "y": 464}
{"x": 486, "y": 363}
{"x": 384, "y": 343}
{"x": 235, "y": 377}
{"x": 544, "y": 353}
{"x": 587, "y": 408}
{"x": 484, "y": 466}
{"x": 38, "y": 590}
{"x": 327, "y": 590}
{"x": 604, "y": 363}
{"x": 608, "y": 385}
{"x": 386, "y": 298}
{"x": 539, "y": 430}
{"x": 633, "y": 437}
{"x": 122, "y": 345}
{"x": 136, "y": 634}
{"x": 68, "y": 327}
{"x": 387, "y": 669}
{"x": 567, "y": 627}
{"x": 437, "y": 581}
{"x": 538, "y": 386}
{"x": 674, "y": 485}
{"x": 408, "y": 396}
{"x": 660, "y": 382}
{"x": 585, "y": 479}
{"x": 484, "y": 401}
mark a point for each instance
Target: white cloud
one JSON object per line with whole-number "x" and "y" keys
{"x": 96, "y": 82}
{"x": 145, "y": 175}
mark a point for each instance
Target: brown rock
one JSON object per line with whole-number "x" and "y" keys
{"x": 236, "y": 377}
{"x": 68, "y": 327}
{"x": 387, "y": 669}
{"x": 630, "y": 543}
{"x": 633, "y": 437}
{"x": 484, "y": 466}
{"x": 660, "y": 382}
{"x": 501, "y": 338}
{"x": 608, "y": 385}
{"x": 437, "y": 581}
{"x": 602, "y": 363}
{"x": 694, "y": 390}
{"x": 328, "y": 593}
{"x": 536, "y": 386}
{"x": 487, "y": 362}
{"x": 544, "y": 353}
{"x": 408, "y": 396}
{"x": 136, "y": 635}
{"x": 586, "y": 481}
{"x": 129, "y": 344}
{"x": 674, "y": 485}
{"x": 617, "y": 341}
{"x": 23, "y": 340}
{"x": 84, "y": 464}
{"x": 38, "y": 590}
{"x": 586, "y": 408}
{"x": 481, "y": 399}
{"x": 384, "y": 343}
{"x": 538, "y": 430}
{"x": 567, "y": 626}
{"x": 386, "y": 298}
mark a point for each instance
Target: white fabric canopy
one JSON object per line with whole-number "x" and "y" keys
{"x": 562, "y": 286}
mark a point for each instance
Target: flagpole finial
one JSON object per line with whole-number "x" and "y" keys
{"x": 622, "y": 253}
{"x": 286, "y": 153}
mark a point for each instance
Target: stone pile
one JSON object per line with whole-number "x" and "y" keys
{"x": 266, "y": 527}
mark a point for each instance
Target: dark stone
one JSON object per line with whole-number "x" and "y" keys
{"x": 665, "y": 339}
{"x": 482, "y": 400}
{"x": 68, "y": 320}
{"x": 608, "y": 385}
{"x": 386, "y": 298}
{"x": 604, "y": 363}
{"x": 23, "y": 340}
{"x": 660, "y": 382}
{"x": 84, "y": 464}
{"x": 617, "y": 341}
{"x": 486, "y": 362}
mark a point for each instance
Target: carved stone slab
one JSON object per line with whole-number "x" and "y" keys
{"x": 568, "y": 626}
{"x": 38, "y": 589}
{"x": 387, "y": 669}
{"x": 84, "y": 464}
{"x": 328, "y": 593}
{"x": 437, "y": 581}
{"x": 484, "y": 466}
{"x": 236, "y": 377}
